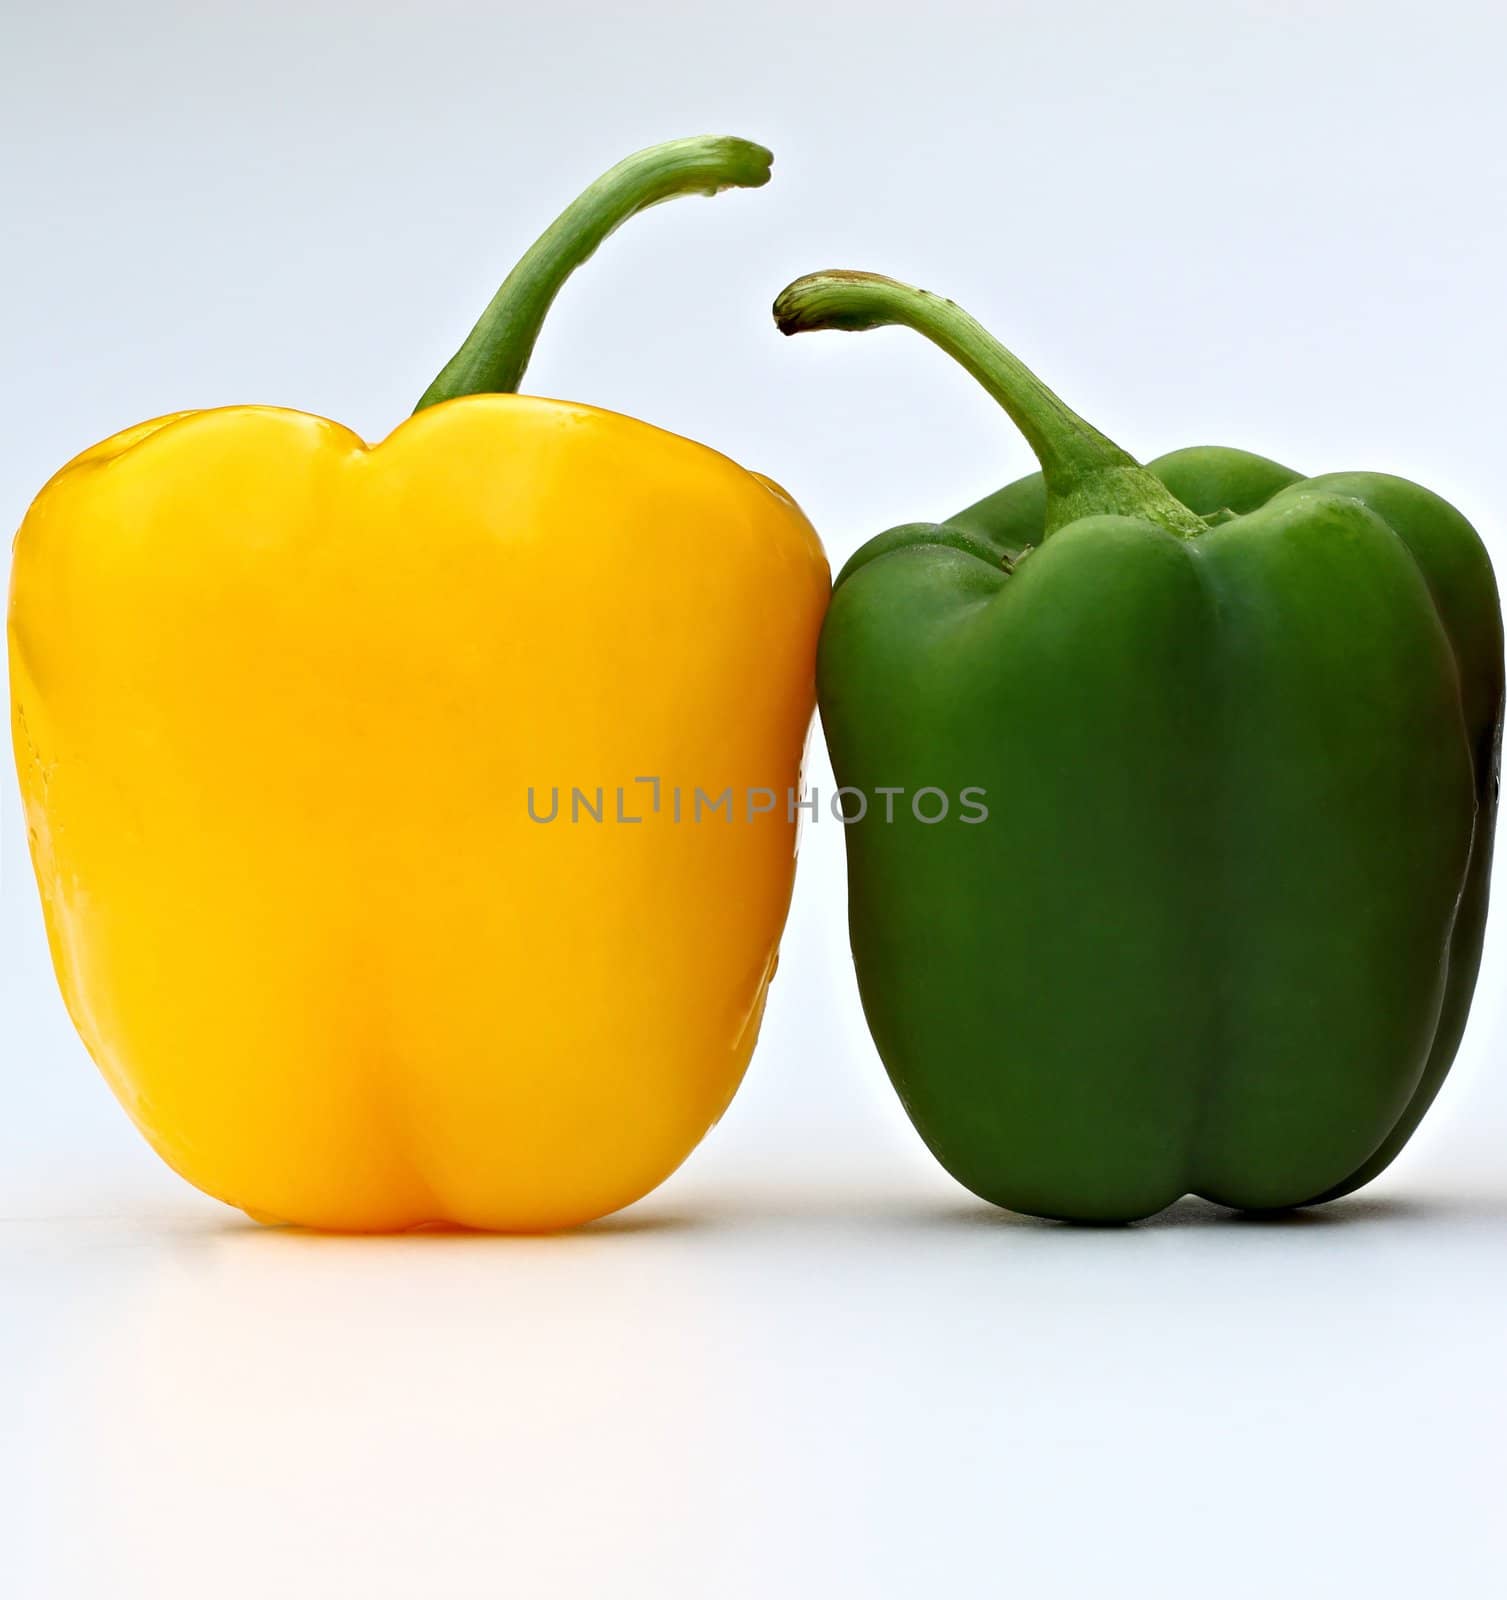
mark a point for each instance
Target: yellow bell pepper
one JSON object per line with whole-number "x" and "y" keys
{"x": 289, "y": 712}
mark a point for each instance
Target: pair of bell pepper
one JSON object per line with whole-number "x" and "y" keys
{"x": 278, "y": 697}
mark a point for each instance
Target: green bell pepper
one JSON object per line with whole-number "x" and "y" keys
{"x": 1239, "y": 732}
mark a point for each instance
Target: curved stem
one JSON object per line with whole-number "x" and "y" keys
{"x": 497, "y": 350}
{"x": 1086, "y": 474}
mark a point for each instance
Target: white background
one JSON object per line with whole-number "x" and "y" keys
{"x": 810, "y": 1365}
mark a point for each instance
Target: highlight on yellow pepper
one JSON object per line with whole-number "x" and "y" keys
{"x": 399, "y": 810}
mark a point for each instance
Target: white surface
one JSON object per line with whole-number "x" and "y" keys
{"x": 748, "y": 1389}
{"x": 809, "y": 1366}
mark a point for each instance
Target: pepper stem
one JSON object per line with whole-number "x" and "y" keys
{"x": 1086, "y": 474}
{"x": 497, "y": 350}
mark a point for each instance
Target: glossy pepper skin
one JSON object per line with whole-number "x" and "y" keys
{"x": 1239, "y": 732}
{"x": 279, "y": 700}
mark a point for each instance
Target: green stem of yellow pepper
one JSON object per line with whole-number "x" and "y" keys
{"x": 1086, "y": 474}
{"x": 497, "y": 350}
